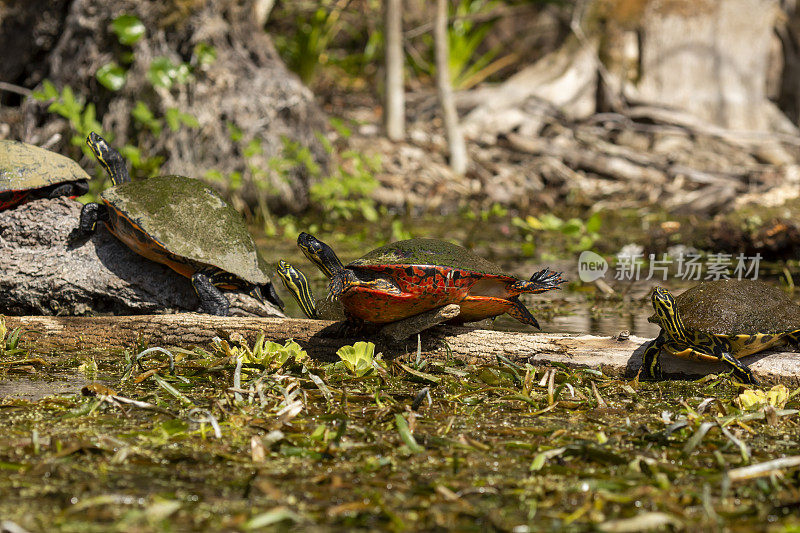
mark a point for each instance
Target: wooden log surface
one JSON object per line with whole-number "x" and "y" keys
{"x": 614, "y": 357}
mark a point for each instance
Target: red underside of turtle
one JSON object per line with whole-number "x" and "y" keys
{"x": 421, "y": 288}
{"x": 12, "y": 198}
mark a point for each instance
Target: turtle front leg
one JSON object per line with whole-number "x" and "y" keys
{"x": 651, "y": 366}
{"x": 793, "y": 339}
{"x": 212, "y": 301}
{"x": 91, "y": 214}
{"x": 740, "y": 371}
{"x": 722, "y": 350}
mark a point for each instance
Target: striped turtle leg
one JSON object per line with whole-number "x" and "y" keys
{"x": 740, "y": 371}
{"x": 721, "y": 349}
{"x": 521, "y": 313}
{"x": 651, "y": 366}
{"x": 212, "y": 301}
{"x": 793, "y": 338}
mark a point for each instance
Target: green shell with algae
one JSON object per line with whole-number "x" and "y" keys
{"x": 191, "y": 220}
{"x": 24, "y": 166}
{"x": 432, "y": 252}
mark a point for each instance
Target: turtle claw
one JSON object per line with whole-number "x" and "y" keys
{"x": 548, "y": 278}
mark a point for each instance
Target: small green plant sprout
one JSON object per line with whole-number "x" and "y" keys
{"x": 360, "y": 358}
{"x": 346, "y": 192}
{"x": 755, "y": 399}
{"x": 9, "y": 341}
{"x": 89, "y": 369}
{"x": 579, "y": 235}
{"x": 306, "y": 49}
{"x": 82, "y": 117}
{"x": 468, "y": 66}
{"x": 267, "y": 353}
{"x": 128, "y": 29}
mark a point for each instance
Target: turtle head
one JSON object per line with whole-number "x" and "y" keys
{"x": 297, "y": 284}
{"x": 667, "y": 313}
{"x": 109, "y": 158}
{"x": 320, "y": 254}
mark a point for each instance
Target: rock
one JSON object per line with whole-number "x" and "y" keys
{"x": 43, "y": 271}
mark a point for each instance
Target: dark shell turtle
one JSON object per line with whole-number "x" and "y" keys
{"x": 28, "y": 172}
{"x": 406, "y": 278}
{"x": 184, "y": 224}
{"x": 723, "y": 321}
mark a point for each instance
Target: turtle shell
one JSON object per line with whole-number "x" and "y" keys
{"x": 25, "y": 166}
{"x": 737, "y": 307}
{"x": 191, "y": 221}
{"x": 430, "y": 252}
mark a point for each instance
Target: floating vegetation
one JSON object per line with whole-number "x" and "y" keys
{"x": 246, "y": 437}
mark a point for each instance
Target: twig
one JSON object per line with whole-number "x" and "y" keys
{"x": 11, "y": 88}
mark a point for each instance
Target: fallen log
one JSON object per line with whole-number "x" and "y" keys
{"x": 612, "y": 356}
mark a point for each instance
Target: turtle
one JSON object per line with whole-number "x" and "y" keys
{"x": 298, "y": 286}
{"x": 409, "y": 277}
{"x": 721, "y": 320}
{"x": 329, "y": 309}
{"x": 28, "y": 172}
{"x": 184, "y": 224}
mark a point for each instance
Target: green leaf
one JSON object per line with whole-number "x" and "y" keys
{"x": 573, "y": 226}
{"x": 406, "y": 435}
{"x": 594, "y": 223}
{"x": 253, "y": 148}
{"x": 142, "y": 114}
{"x": 128, "y": 28}
{"x": 111, "y": 76}
{"x": 162, "y": 72}
{"x": 234, "y": 132}
{"x": 173, "y": 118}
{"x": 189, "y": 120}
{"x": 205, "y": 54}
{"x": 48, "y": 92}
{"x": 422, "y": 376}
{"x": 358, "y": 357}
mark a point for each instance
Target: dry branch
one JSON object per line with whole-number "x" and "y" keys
{"x": 614, "y": 357}
{"x": 395, "y": 95}
{"x": 455, "y": 138}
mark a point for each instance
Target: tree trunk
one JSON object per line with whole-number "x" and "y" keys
{"x": 712, "y": 59}
{"x": 244, "y": 100}
{"x": 455, "y": 138}
{"x": 395, "y": 95}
